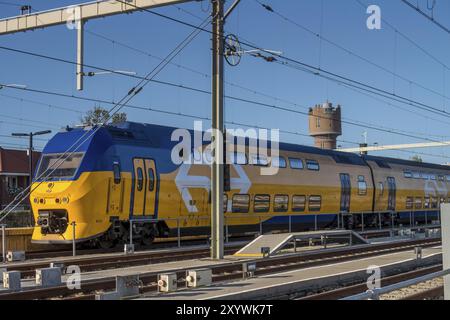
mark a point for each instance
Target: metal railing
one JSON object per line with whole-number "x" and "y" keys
{"x": 375, "y": 293}
{"x": 261, "y": 217}
{"x": 3, "y": 227}
{"x": 227, "y": 223}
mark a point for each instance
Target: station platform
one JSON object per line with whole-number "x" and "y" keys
{"x": 304, "y": 280}
{"x": 276, "y": 242}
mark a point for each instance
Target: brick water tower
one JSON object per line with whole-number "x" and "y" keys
{"x": 325, "y": 125}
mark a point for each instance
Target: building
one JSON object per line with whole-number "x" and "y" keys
{"x": 325, "y": 125}
{"x": 14, "y": 173}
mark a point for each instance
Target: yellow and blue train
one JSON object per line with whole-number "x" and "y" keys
{"x": 125, "y": 172}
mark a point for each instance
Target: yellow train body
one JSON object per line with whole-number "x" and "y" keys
{"x": 107, "y": 189}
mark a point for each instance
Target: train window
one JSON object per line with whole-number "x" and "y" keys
{"x": 225, "y": 203}
{"x": 281, "y": 203}
{"x": 381, "y": 188}
{"x": 432, "y": 176}
{"x": 418, "y": 203}
{"x": 140, "y": 179}
{"x": 56, "y": 166}
{"x": 298, "y": 203}
{"x": 434, "y": 202}
{"x": 362, "y": 186}
{"x": 240, "y": 203}
{"x": 426, "y": 203}
{"x": 259, "y": 160}
{"x": 312, "y": 165}
{"x": 448, "y": 200}
{"x": 261, "y": 203}
{"x": 416, "y": 175}
{"x": 408, "y": 174}
{"x": 447, "y": 177}
{"x": 409, "y": 202}
{"x": 240, "y": 158}
{"x": 279, "y": 162}
{"x": 296, "y": 163}
{"x": 425, "y": 176}
{"x": 315, "y": 203}
{"x": 151, "y": 179}
{"x": 116, "y": 171}
{"x": 442, "y": 200}
{"x": 441, "y": 178}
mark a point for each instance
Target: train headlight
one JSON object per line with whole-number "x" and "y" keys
{"x": 35, "y": 200}
{"x": 42, "y": 201}
{"x": 57, "y": 200}
{"x": 65, "y": 200}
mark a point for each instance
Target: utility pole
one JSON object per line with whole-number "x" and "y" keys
{"x": 217, "y": 126}
{"x": 217, "y": 167}
{"x": 30, "y": 150}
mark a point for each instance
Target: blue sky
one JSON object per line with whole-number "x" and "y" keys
{"x": 343, "y": 22}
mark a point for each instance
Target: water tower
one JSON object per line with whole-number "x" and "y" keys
{"x": 325, "y": 125}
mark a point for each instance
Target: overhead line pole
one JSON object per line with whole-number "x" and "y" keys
{"x": 217, "y": 126}
{"x": 217, "y": 166}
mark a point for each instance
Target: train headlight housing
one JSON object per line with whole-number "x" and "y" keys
{"x": 36, "y": 200}
{"x": 65, "y": 200}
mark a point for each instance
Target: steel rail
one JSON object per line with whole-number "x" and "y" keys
{"x": 229, "y": 270}
{"x": 346, "y": 291}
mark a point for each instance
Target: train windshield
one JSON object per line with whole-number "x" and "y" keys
{"x": 59, "y": 166}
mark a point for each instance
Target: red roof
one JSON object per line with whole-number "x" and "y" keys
{"x": 16, "y": 161}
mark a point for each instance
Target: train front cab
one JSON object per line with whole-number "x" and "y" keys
{"x": 75, "y": 187}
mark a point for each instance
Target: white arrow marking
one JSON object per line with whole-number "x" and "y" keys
{"x": 184, "y": 181}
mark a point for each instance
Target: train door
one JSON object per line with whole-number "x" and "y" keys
{"x": 115, "y": 191}
{"x": 140, "y": 187}
{"x": 392, "y": 193}
{"x": 152, "y": 186}
{"x": 345, "y": 192}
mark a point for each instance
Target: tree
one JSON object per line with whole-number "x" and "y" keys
{"x": 416, "y": 158}
{"x": 99, "y": 115}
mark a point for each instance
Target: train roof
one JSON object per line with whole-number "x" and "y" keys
{"x": 384, "y": 160}
{"x": 158, "y": 135}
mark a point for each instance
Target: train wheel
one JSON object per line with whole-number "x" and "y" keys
{"x": 148, "y": 235}
{"x": 108, "y": 240}
{"x": 106, "y": 244}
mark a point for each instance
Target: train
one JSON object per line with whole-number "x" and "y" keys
{"x": 93, "y": 184}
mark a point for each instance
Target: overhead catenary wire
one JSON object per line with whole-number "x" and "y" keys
{"x": 258, "y": 48}
{"x": 431, "y": 18}
{"x": 286, "y": 63}
{"x": 240, "y": 99}
{"x": 45, "y": 104}
{"x": 128, "y": 97}
{"x": 345, "y": 49}
{"x": 318, "y": 71}
{"x": 256, "y": 92}
{"x": 408, "y": 38}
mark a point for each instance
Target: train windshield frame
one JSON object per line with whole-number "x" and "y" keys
{"x": 59, "y": 166}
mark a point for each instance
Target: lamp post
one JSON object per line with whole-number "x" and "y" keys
{"x": 30, "y": 149}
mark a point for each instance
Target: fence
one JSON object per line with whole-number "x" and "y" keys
{"x": 375, "y": 293}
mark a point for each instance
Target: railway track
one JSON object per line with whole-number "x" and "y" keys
{"x": 223, "y": 272}
{"x": 433, "y": 293}
{"x": 67, "y": 251}
{"x": 87, "y": 264}
{"x": 350, "y": 290}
